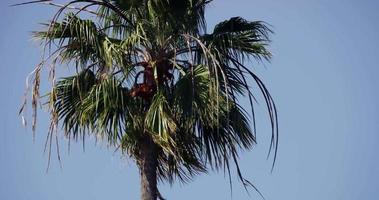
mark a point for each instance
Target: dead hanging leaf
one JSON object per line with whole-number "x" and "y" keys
{"x": 35, "y": 75}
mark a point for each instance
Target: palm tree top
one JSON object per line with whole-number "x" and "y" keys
{"x": 149, "y": 70}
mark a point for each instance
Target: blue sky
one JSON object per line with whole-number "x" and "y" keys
{"x": 323, "y": 77}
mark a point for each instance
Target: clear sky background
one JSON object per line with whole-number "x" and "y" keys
{"x": 323, "y": 77}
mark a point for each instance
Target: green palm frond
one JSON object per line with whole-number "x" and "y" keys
{"x": 192, "y": 92}
{"x": 240, "y": 38}
{"x": 85, "y": 103}
{"x": 70, "y": 27}
{"x": 158, "y": 120}
{"x": 106, "y": 108}
{"x": 67, "y": 98}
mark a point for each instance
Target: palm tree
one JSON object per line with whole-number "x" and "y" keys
{"x": 150, "y": 81}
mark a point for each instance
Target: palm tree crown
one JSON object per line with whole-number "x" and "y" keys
{"x": 152, "y": 82}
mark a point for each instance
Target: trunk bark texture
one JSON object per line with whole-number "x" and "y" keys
{"x": 148, "y": 169}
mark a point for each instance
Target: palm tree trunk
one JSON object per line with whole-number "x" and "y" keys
{"x": 148, "y": 169}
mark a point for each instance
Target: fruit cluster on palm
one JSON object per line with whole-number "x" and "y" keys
{"x": 152, "y": 82}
